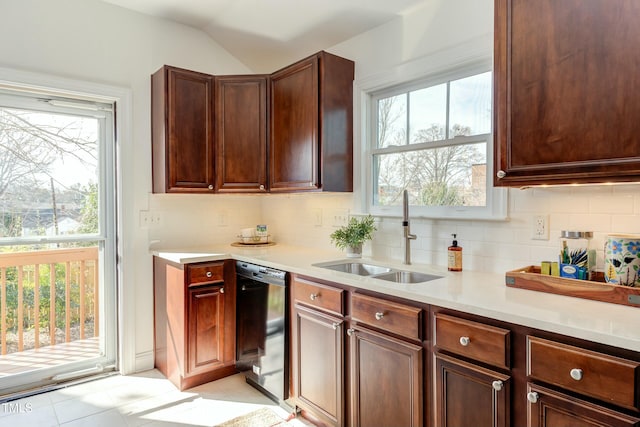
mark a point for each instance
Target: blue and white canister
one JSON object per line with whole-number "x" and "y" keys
{"x": 622, "y": 259}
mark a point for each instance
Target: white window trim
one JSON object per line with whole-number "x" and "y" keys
{"x": 475, "y": 55}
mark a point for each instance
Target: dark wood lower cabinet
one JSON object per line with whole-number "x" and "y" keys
{"x": 386, "y": 380}
{"x": 318, "y": 365}
{"x": 372, "y": 360}
{"x": 548, "y": 408}
{"x": 194, "y": 307}
{"x": 470, "y": 395}
{"x": 206, "y": 327}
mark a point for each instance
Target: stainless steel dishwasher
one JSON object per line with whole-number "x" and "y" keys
{"x": 261, "y": 326}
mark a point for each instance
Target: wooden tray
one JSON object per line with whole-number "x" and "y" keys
{"x": 598, "y": 290}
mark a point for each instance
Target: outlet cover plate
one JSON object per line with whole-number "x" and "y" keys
{"x": 540, "y": 227}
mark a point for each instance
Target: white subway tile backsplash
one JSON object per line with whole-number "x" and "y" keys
{"x": 625, "y": 224}
{"x": 620, "y": 203}
{"x": 495, "y": 246}
{"x": 590, "y": 222}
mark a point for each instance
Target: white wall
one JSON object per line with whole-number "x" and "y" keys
{"x": 97, "y": 42}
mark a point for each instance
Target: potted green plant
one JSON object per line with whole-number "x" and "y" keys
{"x": 351, "y": 236}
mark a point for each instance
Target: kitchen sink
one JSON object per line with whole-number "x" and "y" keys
{"x": 378, "y": 271}
{"x": 407, "y": 277}
{"x": 353, "y": 267}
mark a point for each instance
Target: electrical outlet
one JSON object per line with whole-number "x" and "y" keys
{"x": 150, "y": 219}
{"x": 340, "y": 217}
{"x": 540, "y": 227}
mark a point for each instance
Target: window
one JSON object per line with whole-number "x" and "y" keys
{"x": 433, "y": 138}
{"x": 57, "y": 228}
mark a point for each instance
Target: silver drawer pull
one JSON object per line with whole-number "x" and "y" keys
{"x": 209, "y": 274}
{"x": 464, "y": 341}
{"x": 532, "y": 397}
{"x": 501, "y": 174}
{"x": 576, "y": 374}
{"x": 210, "y": 187}
{"x": 314, "y": 297}
{"x": 335, "y": 325}
{"x": 379, "y": 315}
{"x": 350, "y": 331}
{"x": 222, "y": 290}
{"x": 497, "y": 385}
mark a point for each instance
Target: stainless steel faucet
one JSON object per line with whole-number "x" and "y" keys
{"x": 408, "y": 237}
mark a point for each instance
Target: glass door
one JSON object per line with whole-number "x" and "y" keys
{"x": 57, "y": 239}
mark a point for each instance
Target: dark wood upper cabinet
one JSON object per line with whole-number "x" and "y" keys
{"x": 566, "y": 86}
{"x": 182, "y": 131}
{"x": 241, "y": 133}
{"x": 290, "y": 131}
{"x": 311, "y": 125}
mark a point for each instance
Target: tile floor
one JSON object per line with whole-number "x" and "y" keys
{"x": 144, "y": 399}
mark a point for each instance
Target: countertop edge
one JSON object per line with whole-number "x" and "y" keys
{"x": 455, "y": 291}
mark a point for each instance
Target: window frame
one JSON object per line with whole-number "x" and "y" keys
{"x": 112, "y": 104}
{"x": 104, "y": 113}
{"x": 423, "y": 72}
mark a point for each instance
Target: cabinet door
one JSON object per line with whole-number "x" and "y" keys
{"x": 294, "y": 156}
{"x": 548, "y": 408}
{"x": 241, "y": 133}
{"x": 182, "y": 131}
{"x": 318, "y": 368}
{"x": 469, "y": 395}
{"x": 386, "y": 381}
{"x": 566, "y": 104}
{"x": 205, "y": 328}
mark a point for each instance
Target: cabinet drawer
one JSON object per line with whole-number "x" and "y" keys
{"x": 598, "y": 375}
{"x": 205, "y": 273}
{"x": 319, "y": 296}
{"x": 386, "y": 315}
{"x": 474, "y": 340}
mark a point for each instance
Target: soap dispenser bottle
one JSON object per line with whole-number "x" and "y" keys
{"x": 454, "y": 256}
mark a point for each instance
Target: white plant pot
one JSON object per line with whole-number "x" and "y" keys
{"x": 354, "y": 251}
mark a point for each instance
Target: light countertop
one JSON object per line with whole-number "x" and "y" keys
{"x": 483, "y": 294}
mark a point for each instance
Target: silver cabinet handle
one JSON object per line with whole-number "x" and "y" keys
{"x": 222, "y": 290}
{"x": 464, "y": 341}
{"x": 313, "y": 297}
{"x": 501, "y": 174}
{"x": 261, "y": 187}
{"x": 335, "y": 325}
{"x": 576, "y": 374}
{"x": 497, "y": 385}
{"x": 379, "y": 315}
{"x": 210, "y": 187}
{"x": 532, "y": 397}
{"x": 209, "y": 274}
{"x": 350, "y": 331}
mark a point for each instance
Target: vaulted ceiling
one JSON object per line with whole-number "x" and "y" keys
{"x": 264, "y": 33}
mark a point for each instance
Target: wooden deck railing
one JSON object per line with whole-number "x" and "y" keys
{"x": 50, "y": 290}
